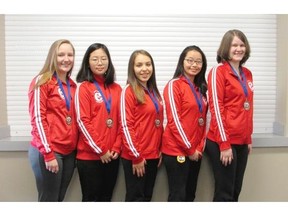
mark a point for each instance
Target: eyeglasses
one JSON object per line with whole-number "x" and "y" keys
{"x": 97, "y": 60}
{"x": 192, "y": 61}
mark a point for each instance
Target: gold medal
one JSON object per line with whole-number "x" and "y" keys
{"x": 201, "y": 121}
{"x": 246, "y": 105}
{"x": 157, "y": 122}
{"x": 181, "y": 159}
{"x": 68, "y": 120}
{"x": 109, "y": 122}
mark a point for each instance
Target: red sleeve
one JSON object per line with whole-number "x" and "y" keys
{"x": 83, "y": 111}
{"x": 128, "y": 105}
{"x": 216, "y": 91}
{"x": 172, "y": 96}
{"x": 200, "y": 147}
{"x": 38, "y": 113}
{"x": 118, "y": 143}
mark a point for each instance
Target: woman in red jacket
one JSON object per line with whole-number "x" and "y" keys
{"x": 142, "y": 127}
{"x": 230, "y": 88}
{"x": 54, "y": 129}
{"x": 184, "y": 135}
{"x": 98, "y": 111}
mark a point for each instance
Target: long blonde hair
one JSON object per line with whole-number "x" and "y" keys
{"x": 50, "y": 65}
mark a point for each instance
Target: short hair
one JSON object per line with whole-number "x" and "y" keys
{"x": 225, "y": 45}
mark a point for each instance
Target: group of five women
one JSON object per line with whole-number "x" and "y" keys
{"x": 95, "y": 123}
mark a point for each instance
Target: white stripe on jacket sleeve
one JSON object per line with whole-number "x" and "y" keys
{"x": 216, "y": 105}
{"x": 175, "y": 115}
{"x": 81, "y": 124}
{"x": 124, "y": 124}
{"x": 38, "y": 119}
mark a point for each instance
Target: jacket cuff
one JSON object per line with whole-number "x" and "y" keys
{"x": 137, "y": 160}
{"x": 191, "y": 150}
{"x": 49, "y": 156}
{"x": 225, "y": 145}
{"x": 104, "y": 151}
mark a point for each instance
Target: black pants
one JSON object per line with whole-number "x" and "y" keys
{"x": 182, "y": 178}
{"x": 140, "y": 188}
{"x": 228, "y": 179}
{"x": 52, "y": 187}
{"x": 97, "y": 179}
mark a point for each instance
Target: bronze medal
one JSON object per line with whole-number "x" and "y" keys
{"x": 157, "y": 122}
{"x": 201, "y": 121}
{"x": 109, "y": 122}
{"x": 68, "y": 120}
{"x": 246, "y": 105}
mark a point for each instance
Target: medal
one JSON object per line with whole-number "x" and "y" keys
{"x": 157, "y": 122}
{"x": 109, "y": 122}
{"x": 201, "y": 121}
{"x": 242, "y": 81}
{"x": 181, "y": 159}
{"x": 66, "y": 97}
{"x": 108, "y": 102}
{"x": 199, "y": 101}
{"x": 68, "y": 120}
{"x": 246, "y": 105}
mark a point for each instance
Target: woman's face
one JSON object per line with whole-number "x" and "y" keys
{"x": 192, "y": 64}
{"x": 65, "y": 58}
{"x": 237, "y": 50}
{"x": 143, "y": 68}
{"x": 98, "y": 62}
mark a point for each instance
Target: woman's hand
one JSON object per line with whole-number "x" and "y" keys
{"x": 139, "y": 168}
{"x": 52, "y": 166}
{"x": 226, "y": 156}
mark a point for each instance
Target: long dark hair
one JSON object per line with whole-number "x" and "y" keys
{"x": 200, "y": 80}
{"x": 85, "y": 73}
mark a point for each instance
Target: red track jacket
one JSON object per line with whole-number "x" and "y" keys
{"x": 48, "y": 112}
{"x": 95, "y": 138}
{"x": 230, "y": 122}
{"x": 141, "y": 137}
{"x": 183, "y": 134}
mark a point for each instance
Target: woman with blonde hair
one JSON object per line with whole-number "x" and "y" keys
{"x": 54, "y": 129}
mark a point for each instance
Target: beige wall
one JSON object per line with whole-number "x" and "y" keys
{"x": 266, "y": 176}
{"x": 266, "y": 179}
{"x": 282, "y": 77}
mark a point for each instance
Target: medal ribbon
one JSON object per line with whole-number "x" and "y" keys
{"x": 107, "y": 102}
{"x": 67, "y": 99}
{"x": 154, "y": 99}
{"x": 242, "y": 81}
{"x": 198, "y": 99}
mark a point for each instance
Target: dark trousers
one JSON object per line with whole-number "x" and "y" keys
{"x": 140, "y": 188}
{"x": 228, "y": 179}
{"x": 97, "y": 179}
{"x": 51, "y": 187}
{"x": 182, "y": 178}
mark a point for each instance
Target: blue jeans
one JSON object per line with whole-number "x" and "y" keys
{"x": 51, "y": 187}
